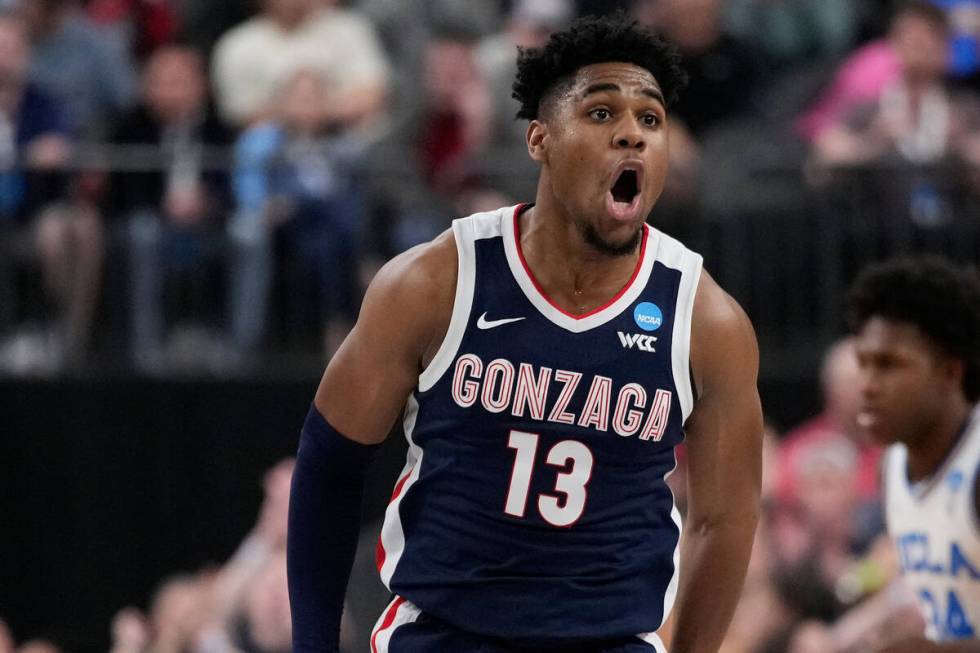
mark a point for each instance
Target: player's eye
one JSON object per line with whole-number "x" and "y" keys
{"x": 651, "y": 119}
{"x": 600, "y": 114}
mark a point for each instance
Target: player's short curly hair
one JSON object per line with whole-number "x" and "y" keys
{"x": 942, "y": 300}
{"x": 589, "y": 40}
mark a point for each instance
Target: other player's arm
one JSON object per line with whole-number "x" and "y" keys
{"x": 724, "y": 444}
{"x": 403, "y": 318}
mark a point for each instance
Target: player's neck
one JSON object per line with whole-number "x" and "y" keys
{"x": 928, "y": 453}
{"x": 573, "y": 273}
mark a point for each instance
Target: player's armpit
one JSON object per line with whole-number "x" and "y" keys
{"x": 403, "y": 318}
{"x": 724, "y": 440}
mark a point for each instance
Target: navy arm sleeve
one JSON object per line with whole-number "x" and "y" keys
{"x": 324, "y": 521}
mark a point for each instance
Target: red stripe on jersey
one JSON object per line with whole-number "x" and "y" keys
{"x": 389, "y": 618}
{"x": 537, "y": 286}
{"x": 379, "y": 551}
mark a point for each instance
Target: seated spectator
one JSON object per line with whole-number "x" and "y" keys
{"x": 76, "y": 65}
{"x": 174, "y": 211}
{"x": 917, "y": 119}
{"x": 724, "y": 72}
{"x": 434, "y": 155}
{"x": 296, "y": 179}
{"x": 36, "y": 214}
{"x": 839, "y": 384}
{"x": 860, "y": 79}
{"x": 139, "y": 26}
{"x": 291, "y": 35}
{"x": 240, "y": 607}
{"x": 529, "y": 25}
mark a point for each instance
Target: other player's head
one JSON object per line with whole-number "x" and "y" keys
{"x": 917, "y": 325}
{"x": 597, "y": 96}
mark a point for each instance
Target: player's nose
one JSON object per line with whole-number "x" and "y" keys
{"x": 629, "y": 135}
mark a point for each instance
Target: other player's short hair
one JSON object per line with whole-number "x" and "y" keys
{"x": 939, "y": 298}
{"x": 543, "y": 71}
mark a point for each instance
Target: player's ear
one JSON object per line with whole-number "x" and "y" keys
{"x": 537, "y": 140}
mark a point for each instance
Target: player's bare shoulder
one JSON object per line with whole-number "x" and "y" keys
{"x": 723, "y": 342}
{"x": 415, "y": 291}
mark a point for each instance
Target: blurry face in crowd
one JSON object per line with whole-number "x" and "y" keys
{"x": 177, "y": 611}
{"x": 14, "y": 57}
{"x": 603, "y": 142}
{"x": 449, "y": 70}
{"x": 174, "y": 84}
{"x": 826, "y": 483}
{"x": 289, "y": 13}
{"x": 921, "y": 47}
{"x": 303, "y": 103}
{"x": 841, "y": 381}
{"x": 692, "y": 24}
{"x": 906, "y": 382}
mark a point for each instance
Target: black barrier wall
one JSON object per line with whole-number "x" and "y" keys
{"x": 108, "y": 487}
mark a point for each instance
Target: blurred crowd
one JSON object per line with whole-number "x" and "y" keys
{"x": 196, "y": 183}
{"x": 823, "y": 577}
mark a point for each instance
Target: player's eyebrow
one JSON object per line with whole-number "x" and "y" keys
{"x": 603, "y": 87}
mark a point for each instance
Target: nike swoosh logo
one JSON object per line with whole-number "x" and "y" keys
{"x": 484, "y": 323}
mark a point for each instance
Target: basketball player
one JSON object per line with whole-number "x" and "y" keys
{"x": 546, "y": 359}
{"x": 918, "y": 347}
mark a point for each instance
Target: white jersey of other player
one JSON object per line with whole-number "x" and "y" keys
{"x": 935, "y": 526}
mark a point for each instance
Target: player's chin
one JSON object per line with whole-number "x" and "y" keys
{"x": 615, "y": 240}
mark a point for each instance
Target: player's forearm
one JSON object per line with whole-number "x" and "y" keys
{"x": 324, "y": 519}
{"x": 714, "y": 558}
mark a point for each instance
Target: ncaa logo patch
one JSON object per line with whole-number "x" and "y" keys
{"x": 648, "y": 316}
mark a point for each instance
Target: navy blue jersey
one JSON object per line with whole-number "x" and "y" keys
{"x": 533, "y": 506}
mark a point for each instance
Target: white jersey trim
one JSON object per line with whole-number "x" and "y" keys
{"x": 405, "y": 612}
{"x": 465, "y": 231}
{"x": 674, "y": 255}
{"x": 653, "y": 639}
{"x": 670, "y": 594}
{"x": 569, "y": 322}
{"x": 392, "y": 539}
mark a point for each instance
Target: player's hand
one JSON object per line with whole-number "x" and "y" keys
{"x": 910, "y": 645}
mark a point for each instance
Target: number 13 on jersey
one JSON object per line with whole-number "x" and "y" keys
{"x": 574, "y": 462}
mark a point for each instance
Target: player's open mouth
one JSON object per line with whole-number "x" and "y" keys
{"x": 623, "y": 199}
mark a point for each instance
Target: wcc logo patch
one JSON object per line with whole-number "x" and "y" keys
{"x": 638, "y": 340}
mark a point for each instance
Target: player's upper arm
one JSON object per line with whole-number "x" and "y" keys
{"x": 724, "y": 430}
{"x": 403, "y": 318}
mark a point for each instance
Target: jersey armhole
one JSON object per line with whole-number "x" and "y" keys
{"x": 681, "y": 337}
{"x": 462, "y": 304}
